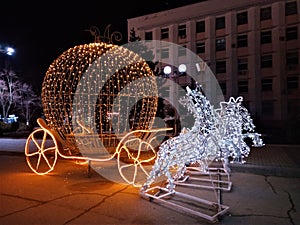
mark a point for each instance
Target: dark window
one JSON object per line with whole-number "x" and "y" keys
{"x": 164, "y": 33}
{"x": 242, "y": 65}
{"x": 291, "y": 33}
{"x": 267, "y": 108}
{"x": 221, "y": 66}
{"x": 266, "y": 37}
{"x": 220, "y": 22}
{"x": 242, "y": 18}
{"x": 182, "y": 31}
{"x": 200, "y": 26}
{"x": 220, "y": 44}
{"x": 200, "y": 47}
{"x": 266, "y": 61}
{"x": 243, "y": 86}
{"x": 290, "y": 8}
{"x": 292, "y": 82}
{"x": 223, "y": 87}
{"x": 148, "y": 35}
{"x": 292, "y": 58}
{"x": 182, "y": 50}
{"x": 266, "y": 13}
{"x": 266, "y": 84}
{"x": 242, "y": 40}
{"x": 165, "y": 53}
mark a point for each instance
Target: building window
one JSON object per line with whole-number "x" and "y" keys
{"x": 242, "y": 18}
{"x": 266, "y": 84}
{"x": 220, "y": 22}
{"x": 292, "y": 60}
{"x": 292, "y": 83}
{"x": 200, "y": 47}
{"x": 164, "y": 33}
{"x": 291, "y": 33}
{"x": 221, "y": 66}
{"x": 223, "y": 87}
{"x": 182, "y": 50}
{"x": 220, "y": 44}
{"x": 290, "y": 8}
{"x": 243, "y": 86}
{"x": 242, "y": 66}
{"x": 266, "y": 61}
{"x": 200, "y": 26}
{"x": 267, "y": 108}
{"x": 266, "y": 37}
{"x": 148, "y": 35}
{"x": 165, "y": 53}
{"x": 182, "y": 31}
{"x": 266, "y": 13}
{"x": 242, "y": 40}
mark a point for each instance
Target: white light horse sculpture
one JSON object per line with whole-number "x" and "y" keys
{"x": 216, "y": 135}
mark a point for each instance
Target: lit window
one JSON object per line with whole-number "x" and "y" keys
{"x": 220, "y": 44}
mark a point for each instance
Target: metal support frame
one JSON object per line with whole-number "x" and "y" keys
{"x": 211, "y": 211}
{"x": 216, "y": 178}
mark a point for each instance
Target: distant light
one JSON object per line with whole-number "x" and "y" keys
{"x": 10, "y": 51}
{"x": 182, "y": 68}
{"x": 167, "y": 70}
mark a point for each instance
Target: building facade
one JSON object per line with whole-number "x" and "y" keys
{"x": 251, "y": 46}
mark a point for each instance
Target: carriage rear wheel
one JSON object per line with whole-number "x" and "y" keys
{"x": 41, "y": 151}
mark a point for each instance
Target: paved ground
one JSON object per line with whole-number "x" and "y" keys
{"x": 265, "y": 190}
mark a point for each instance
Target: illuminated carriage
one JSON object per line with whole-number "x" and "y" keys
{"x": 99, "y": 103}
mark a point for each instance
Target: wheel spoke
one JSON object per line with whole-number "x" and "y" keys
{"x": 46, "y": 160}
{"x": 38, "y": 162}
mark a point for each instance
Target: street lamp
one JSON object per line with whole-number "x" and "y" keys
{"x": 7, "y": 50}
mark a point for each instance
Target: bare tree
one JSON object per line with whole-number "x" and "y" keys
{"x": 29, "y": 102}
{"x": 16, "y": 96}
{"x": 9, "y": 91}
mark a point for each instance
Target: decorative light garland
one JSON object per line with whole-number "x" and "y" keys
{"x": 217, "y": 134}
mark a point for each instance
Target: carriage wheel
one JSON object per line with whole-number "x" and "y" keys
{"x": 135, "y": 169}
{"x": 41, "y": 151}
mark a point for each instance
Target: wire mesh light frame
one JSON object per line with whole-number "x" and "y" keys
{"x": 115, "y": 91}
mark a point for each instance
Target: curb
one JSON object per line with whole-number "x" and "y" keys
{"x": 266, "y": 170}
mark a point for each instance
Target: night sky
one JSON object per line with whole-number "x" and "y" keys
{"x": 42, "y": 31}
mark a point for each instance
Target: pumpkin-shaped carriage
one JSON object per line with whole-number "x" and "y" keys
{"x": 99, "y": 102}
